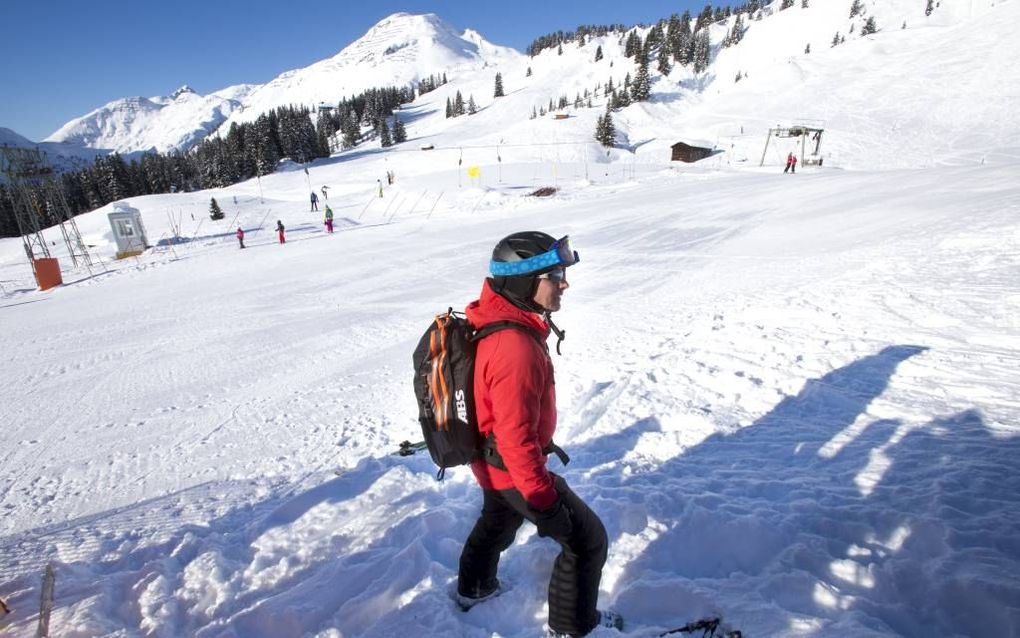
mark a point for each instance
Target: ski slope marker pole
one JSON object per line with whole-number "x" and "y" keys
{"x": 434, "y": 205}
{"x": 418, "y": 200}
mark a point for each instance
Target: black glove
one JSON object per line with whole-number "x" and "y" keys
{"x": 555, "y": 521}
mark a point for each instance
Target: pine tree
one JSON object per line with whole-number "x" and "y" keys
{"x": 803, "y": 4}
{"x": 869, "y": 26}
{"x": 449, "y": 109}
{"x": 598, "y": 51}
{"x": 267, "y": 152}
{"x": 399, "y": 132}
{"x": 633, "y": 45}
{"x": 471, "y": 107}
{"x": 384, "y": 134}
{"x": 738, "y": 29}
{"x": 704, "y": 18}
{"x": 835, "y": 39}
{"x": 605, "y": 132}
{"x": 739, "y": 77}
{"x": 664, "y": 66}
{"x": 654, "y": 40}
{"x": 559, "y": 49}
{"x": 641, "y": 87}
{"x": 534, "y": 113}
{"x": 855, "y": 8}
{"x": 458, "y": 105}
{"x": 349, "y": 128}
{"x": 684, "y": 40}
{"x": 672, "y": 33}
{"x": 528, "y": 74}
{"x": 498, "y": 92}
{"x": 785, "y": 4}
{"x": 702, "y": 51}
{"x": 215, "y": 212}
{"x": 807, "y": 49}
{"x": 929, "y": 7}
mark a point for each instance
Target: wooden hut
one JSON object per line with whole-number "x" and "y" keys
{"x": 683, "y": 152}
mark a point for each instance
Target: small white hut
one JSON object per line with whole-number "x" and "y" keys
{"x": 128, "y": 231}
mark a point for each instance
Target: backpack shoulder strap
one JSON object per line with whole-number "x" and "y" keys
{"x": 490, "y": 328}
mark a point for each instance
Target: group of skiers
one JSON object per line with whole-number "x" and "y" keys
{"x": 327, "y": 220}
{"x": 279, "y": 231}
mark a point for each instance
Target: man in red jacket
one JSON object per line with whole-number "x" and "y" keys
{"x": 515, "y": 403}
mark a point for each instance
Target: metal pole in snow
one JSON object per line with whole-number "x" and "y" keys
{"x": 766, "y": 150}
{"x": 434, "y": 205}
{"x": 479, "y": 202}
{"x": 261, "y": 223}
{"x": 370, "y": 200}
{"x": 392, "y": 200}
{"x": 418, "y": 200}
{"x": 396, "y": 209}
{"x": 46, "y": 603}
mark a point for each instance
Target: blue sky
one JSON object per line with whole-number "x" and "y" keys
{"x": 60, "y": 59}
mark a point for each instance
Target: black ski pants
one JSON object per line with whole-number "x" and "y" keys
{"x": 574, "y": 585}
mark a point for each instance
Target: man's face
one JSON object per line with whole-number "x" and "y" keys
{"x": 550, "y": 289}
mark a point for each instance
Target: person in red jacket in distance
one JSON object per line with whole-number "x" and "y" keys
{"x": 515, "y": 405}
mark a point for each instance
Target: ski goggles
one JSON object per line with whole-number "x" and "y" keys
{"x": 557, "y": 276}
{"x": 560, "y": 254}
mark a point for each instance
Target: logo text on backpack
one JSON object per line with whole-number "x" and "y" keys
{"x": 461, "y": 405}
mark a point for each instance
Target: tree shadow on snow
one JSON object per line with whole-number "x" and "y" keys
{"x": 873, "y": 527}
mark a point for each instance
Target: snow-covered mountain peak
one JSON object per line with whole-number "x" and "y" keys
{"x": 162, "y": 123}
{"x": 408, "y": 37}
{"x": 182, "y": 91}
{"x": 398, "y": 50}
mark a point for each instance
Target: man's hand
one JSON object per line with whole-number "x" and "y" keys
{"x": 554, "y": 522}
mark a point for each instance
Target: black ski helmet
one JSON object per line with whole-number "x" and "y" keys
{"x": 532, "y": 253}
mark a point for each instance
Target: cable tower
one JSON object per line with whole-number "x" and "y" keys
{"x": 39, "y": 202}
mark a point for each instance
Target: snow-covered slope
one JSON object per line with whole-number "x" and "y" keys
{"x": 884, "y": 99}
{"x": 792, "y": 399}
{"x": 400, "y": 49}
{"x": 163, "y": 124}
{"x": 895, "y": 99}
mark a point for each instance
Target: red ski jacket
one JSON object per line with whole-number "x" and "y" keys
{"x": 515, "y": 398}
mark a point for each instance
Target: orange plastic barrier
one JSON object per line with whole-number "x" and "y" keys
{"x": 47, "y": 273}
